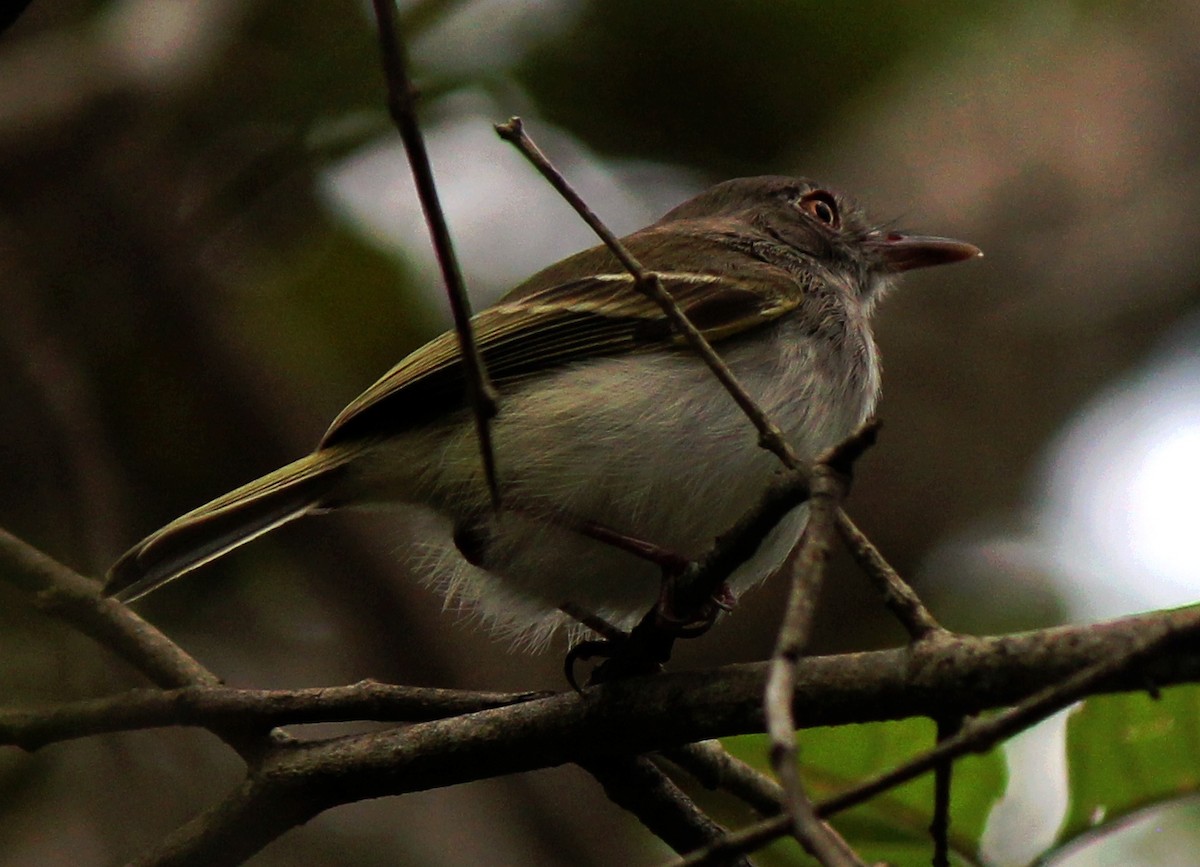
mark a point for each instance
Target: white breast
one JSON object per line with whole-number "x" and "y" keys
{"x": 648, "y": 445}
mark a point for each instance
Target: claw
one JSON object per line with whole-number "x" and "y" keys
{"x": 642, "y": 651}
{"x": 690, "y": 624}
{"x": 586, "y": 650}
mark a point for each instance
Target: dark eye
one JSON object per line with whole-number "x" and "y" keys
{"x": 822, "y": 207}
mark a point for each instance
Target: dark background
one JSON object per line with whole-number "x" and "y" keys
{"x": 192, "y": 285}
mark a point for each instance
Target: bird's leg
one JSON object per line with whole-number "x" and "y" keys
{"x": 472, "y": 537}
{"x": 607, "y": 646}
{"x": 694, "y": 622}
{"x": 683, "y": 624}
{"x": 670, "y": 562}
{"x": 648, "y": 646}
{"x": 642, "y": 651}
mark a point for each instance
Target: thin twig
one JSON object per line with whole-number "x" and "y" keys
{"x": 216, "y": 707}
{"x": 696, "y": 587}
{"x": 977, "y": 736}
{"x": 770, "y": 436}
{"x": 401, "y": 102}
{"x": 740, "y": 542}
{"x": 58, "y": 590}
{"x": 943, "y": 777}
{"x": 636, "y": 785}
{"x": 692, "y": 590}
{"x": 63, "y": 593}
{"x": 899, "y": 598}
{"x": 743, "y": 840}
{"x": 828, "y": 487}
{"x": 714, "y": 768}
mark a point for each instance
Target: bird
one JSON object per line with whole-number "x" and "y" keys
{"x": 611, "y": 433}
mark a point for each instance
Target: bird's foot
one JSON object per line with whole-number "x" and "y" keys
{"x": 642, "y": 651}
{"x": 666, "y": 559}
{"x": 691, "y": 622}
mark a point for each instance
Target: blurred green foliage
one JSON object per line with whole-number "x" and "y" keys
{"x": 183, "y": 310}
{"x": 893, "y": 827}
{"x": 1126, "y": 753}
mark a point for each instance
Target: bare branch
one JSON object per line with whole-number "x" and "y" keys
{"x": 221, "y": 836}
{"x": 71, "y": 597}
{"x": 637, "y": 716}
{"x": 737, "y": 545}
{"x": 938, "y": 677}
{"x": 828, "y": 488}
{"x": 898, "y": 597}
{"x": 219, "y": 707}
{"x": 1159, "y": 641}
{"x": 943, "y": 777}
{"x": 402, "y": 98}
{"x": 770, "y": 436}
{"x": 60, "y": 591}
{"x": 714, "y": 768}
{"x": 636, "y": 785}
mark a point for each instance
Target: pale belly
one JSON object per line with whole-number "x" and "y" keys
{"x": 650, "y": 446}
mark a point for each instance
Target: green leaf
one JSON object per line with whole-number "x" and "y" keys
{"x": 1127, "y": 752}
{"x": 893, "y": 827}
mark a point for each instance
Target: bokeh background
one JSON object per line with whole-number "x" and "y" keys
{"x": 209, "y": 243}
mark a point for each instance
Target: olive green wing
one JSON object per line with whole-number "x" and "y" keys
{"x": 589, "y": 317}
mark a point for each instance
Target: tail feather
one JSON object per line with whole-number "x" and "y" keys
{"x": 227, "y": 522}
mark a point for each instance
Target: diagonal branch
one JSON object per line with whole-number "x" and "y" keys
{"x": 638, "y": 786}
{"x": 401, "y": 101}
{"x": 64, "y": 593}
{"x": 739, "y": 543}
{"x": 216, "y": 707}
{"x": 943, "y": 779}
{"x": 898, "y": 597}
{"x": 828, "y": 486}
{"x": 770, "y": 436}
{"x": 69, "y": 596}
{"x": 714, "y": 768}
{"x": 982, "y": 735}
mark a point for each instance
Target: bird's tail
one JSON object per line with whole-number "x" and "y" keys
{"x": 227, "y": 522}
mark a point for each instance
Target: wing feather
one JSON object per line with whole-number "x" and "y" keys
{"x": 598, "y": 315}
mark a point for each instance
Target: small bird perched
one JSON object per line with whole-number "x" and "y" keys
{"x": 610, "y": 427}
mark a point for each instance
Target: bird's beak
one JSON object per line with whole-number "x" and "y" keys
{"x": 906, "y": 252}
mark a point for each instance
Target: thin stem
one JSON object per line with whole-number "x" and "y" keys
{"x": 811, "y": 555}
{"x": 943, "y": 777}
{"x": 770, "y": 436}
{"x": 976, "y": 736}
{"x": 712, "y": 765}
{"x": 401, "y": 102}
{"x": 216, "y": 707}
{"x": 899, "y": 598}
{"x": 740, "y": 542}
{"x": 63, "y": 593}
{"x": 636, "y": 785}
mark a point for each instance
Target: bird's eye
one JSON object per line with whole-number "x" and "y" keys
{"x": 822, "y": 207}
